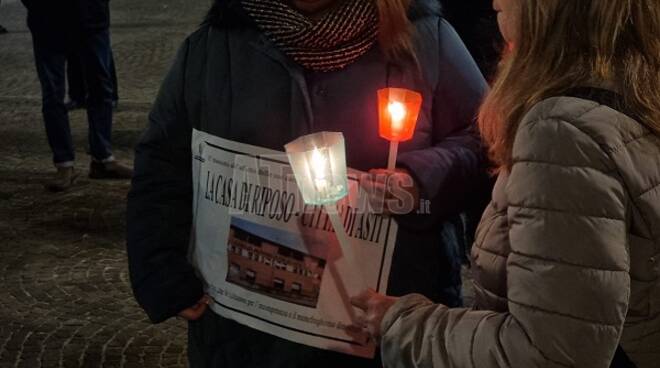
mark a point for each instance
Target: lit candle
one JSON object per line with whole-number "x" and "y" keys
{"x": 397, "y": 113}
{"x": 398, "y": 110}
{"x": 319, "y": 170}
{"x": 319, "y": 165}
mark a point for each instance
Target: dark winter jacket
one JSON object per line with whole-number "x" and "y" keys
{"x": 229, "y": 80}
{"x": 76, "y": 15}
{"x": 94, "y": 14}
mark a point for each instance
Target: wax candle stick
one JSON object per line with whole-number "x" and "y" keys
{"x": 398, "y": 110}
{"x": 351, "y": 273}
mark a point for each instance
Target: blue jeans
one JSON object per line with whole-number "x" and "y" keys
{"x": 50, "y": 52}
{"x": 76, "y": 78}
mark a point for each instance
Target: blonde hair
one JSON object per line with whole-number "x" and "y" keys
{"x": 395, "y": 29}
{"x": 575, "y": 43}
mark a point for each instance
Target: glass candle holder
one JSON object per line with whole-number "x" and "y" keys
{"x": 398, "y": 110}
{"x": 319, "y": 164}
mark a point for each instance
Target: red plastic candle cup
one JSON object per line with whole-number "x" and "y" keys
{"x": 398, "y": 110}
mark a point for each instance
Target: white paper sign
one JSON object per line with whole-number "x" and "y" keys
{"x": 272, "y": 263}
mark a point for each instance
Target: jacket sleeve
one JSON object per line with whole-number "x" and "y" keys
{"x": 159, "y": 215}
{"x": 454, "y": 165}
{"x": 567, "y": 273}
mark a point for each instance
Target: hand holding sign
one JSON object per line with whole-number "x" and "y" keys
{"x": 375, "y": 306}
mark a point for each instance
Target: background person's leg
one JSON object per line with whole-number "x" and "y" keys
{"x": 97, "y": 56}
{"x": 115, "y": 85}
{"x": 75, "y": 76}
{"x": 95, "y": 48}
{"x": 50, "y": 60}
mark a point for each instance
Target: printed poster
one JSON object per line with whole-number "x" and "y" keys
{"x": 273, "y": 263}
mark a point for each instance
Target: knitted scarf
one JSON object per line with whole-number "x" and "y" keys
{"x": 337, "y": 39}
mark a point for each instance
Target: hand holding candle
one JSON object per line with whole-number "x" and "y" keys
{"x": 391, "y": 192}
{"x": 398, "y": 110}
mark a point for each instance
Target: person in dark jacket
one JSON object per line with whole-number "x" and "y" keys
{"x": 231, "y": 77}
{"x": 57, "y": 28}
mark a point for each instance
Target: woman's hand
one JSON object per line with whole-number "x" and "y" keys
{"x": 391, "y": 191}
{"x": 196, "y": 311}
{"x": 375, "y": 306}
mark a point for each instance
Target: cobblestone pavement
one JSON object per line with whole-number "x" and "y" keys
{"x": 65, "y": 300}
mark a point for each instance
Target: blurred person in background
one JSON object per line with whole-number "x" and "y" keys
{"x": 567, "y": 258}
{"x": 476, "y": 22}
{"x": 77, "y": 86}
{"x": 247, "y": 79}
{"x": 82, "y": 26}
{"x": 3, "y": 30}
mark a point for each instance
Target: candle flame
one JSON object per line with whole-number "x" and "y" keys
{"x": 318, "y": 164}
{"x": 398, "y": 112}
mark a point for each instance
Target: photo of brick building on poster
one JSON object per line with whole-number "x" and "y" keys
{"x": 262, "y": 259}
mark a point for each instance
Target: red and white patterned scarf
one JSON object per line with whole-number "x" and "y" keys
{"x": 335, "y": 40}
